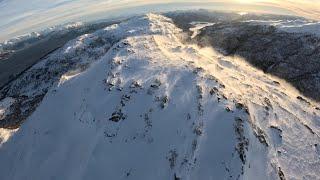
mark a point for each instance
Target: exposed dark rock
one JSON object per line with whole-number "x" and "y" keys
{"x": 21, "y": 109}
{"x": 172, "y": 157}
{"x": 136, "y": 84}
{"x": 281, "y": 174}
{"x": 117, "y": 116}
{"x": 309, "y": 129}
{"x": 303, "y": 100}
{"x": 261, "y": 136}
{"x": 243, "y": 142}
{"x": 176, "y": 177}
{"x": 164, "y": 101}
{"x": 198, "y": 130}
{"x": 228, "y": 109}
{"x": 239, "y": 105}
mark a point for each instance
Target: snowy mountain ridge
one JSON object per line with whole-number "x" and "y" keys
{"x": 147, "y": 106}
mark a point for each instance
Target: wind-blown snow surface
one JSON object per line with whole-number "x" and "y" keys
{"x": 154, "y": 108}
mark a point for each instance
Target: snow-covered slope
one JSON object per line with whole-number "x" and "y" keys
{"x": 296, "y": 26}
{"x": 152, "y": 107}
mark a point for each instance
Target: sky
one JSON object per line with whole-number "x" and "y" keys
{"x": 22, "y": 16}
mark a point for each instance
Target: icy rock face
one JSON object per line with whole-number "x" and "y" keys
{"x": 146, "y": 106}
{"x": 294, "y": 57}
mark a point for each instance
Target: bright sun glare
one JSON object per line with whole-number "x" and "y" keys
{"x": 247, "y": 1}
